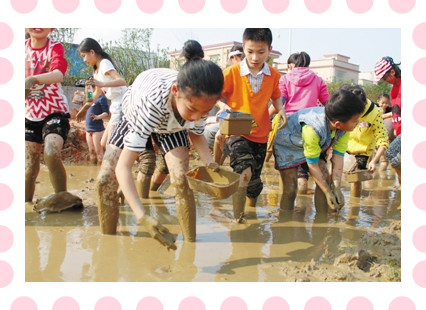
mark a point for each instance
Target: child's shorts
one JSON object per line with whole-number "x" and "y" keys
{"x": 361, "y": 161}
{"x": 56, "y": 123}
{"x": 122, "y": 136}
{"x": 243, "y": 154}
{"x": 115, "y": 110}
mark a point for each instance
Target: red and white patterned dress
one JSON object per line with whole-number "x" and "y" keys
{"x": 48, "y": 98}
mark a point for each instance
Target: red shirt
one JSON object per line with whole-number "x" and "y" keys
{"x": 395, "y": 96}
{"x": 49, "y": 98}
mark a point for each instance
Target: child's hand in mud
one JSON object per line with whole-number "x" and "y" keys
{"x": 159, "y": 232}
{"x": 214, "y": 166}
{"x": 331, "y": 200}
{"x": 335, "y": 198}
{"x": 340, "y": 199}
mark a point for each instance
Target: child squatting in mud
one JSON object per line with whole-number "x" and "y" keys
{"x": 305, "y": 140}
{"x": 168, "y": 106}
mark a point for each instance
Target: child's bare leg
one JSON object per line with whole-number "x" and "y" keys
{"x": 96, "y": 138}
{"x": 219, "y": 141}
{"x": 107, "y": 186}
{"x": 146, "y": 169}
{"x": 289, "y": 187}
{"x": 107, "y": 133}
{"x": 52, "y": 156}
{"x": 356, "y": 188}
{"x": 160, "y": 172}
{"x": 91, "y": 147}
{"x": 320, "y": 200}
{"x": 32, "y": 167}
{"x": 239, "y": 197}
{"x": 178, "y": 162}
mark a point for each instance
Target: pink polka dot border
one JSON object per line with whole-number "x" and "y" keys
{"x": 33, "y": 10}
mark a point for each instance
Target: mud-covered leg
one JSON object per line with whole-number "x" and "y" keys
{"x": 107, "y": 186}
{"x": 320, "y": 199}
{"x": 178, "y": 162}
{"x": 32, "y": 168}
{"x": 356, "y": 188}
{"x": 53, "y": 159}
{"x": 289, "y": 188}
{"x": 240, "y": 196}
{"x": 146, "y": 169}
{"x": 160, "y": 172}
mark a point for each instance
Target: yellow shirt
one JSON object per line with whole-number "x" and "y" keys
{"x": 312, "y": 149}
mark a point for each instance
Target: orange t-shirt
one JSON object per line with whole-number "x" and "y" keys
{"x": 239, "y": 97}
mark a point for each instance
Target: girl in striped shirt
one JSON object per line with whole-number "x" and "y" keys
{"x": 169, "y": 106}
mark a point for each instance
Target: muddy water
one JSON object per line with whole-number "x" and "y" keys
{"x": 270, "y": 246}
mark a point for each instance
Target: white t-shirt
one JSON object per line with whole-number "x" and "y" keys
{"x": 110, "y": 92}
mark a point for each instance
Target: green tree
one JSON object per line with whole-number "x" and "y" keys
{"x": 372, "y": 91}
{"x": 133, "y": 53}
{"x": 66, "y": 37}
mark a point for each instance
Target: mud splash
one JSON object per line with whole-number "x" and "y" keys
{"x": 269, "y": 246}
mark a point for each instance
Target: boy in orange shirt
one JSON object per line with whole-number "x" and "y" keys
{"x": 248, "y": 87}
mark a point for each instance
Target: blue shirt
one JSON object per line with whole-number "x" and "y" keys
{"x": 100, "y": 106}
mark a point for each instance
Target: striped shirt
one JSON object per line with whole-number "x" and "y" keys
{"x": 147, "y": 108}
{"x": 255, "y": 80}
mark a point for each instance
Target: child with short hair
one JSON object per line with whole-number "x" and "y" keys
{"x": 306, "y": 138}
{"x": 248, "y": 87}
{"x": 46, "y": 109}
{"x": 168, "y": 106}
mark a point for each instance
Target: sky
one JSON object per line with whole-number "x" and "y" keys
{"x": 364, "y": 46}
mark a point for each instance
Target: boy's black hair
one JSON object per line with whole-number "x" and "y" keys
{"x": 343, "y": 105}
{"x": 258, "y": 35}
{"x": 197, "y": 76}
{"x": 301, "y": 59}
{"x": 357, "y": 90}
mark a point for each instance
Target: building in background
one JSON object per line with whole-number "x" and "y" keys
{"x": 332, "y": 68}
{"x": 217, "y": 53}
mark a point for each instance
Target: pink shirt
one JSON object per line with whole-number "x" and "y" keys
{"x": 302, "y": 88}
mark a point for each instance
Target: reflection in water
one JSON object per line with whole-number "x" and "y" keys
{"x": 270, "y": 246}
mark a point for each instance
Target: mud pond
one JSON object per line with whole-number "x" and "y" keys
{"x": 360, "y": 243}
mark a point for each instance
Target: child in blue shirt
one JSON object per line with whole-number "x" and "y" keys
{"x": 95, "y": 128}
{"x": 305, "y": 140}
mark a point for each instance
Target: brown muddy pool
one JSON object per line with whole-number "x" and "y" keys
{"x": 270, "y": 246}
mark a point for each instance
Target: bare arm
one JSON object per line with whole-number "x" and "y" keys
{"x": 337, "y": 169}
{"x": 202, "y": 148}
{"x": 54, "y": 76}
{"x": 372, "y": 165}
{"x": 116, "y": 81}
{"x": 124, "y": 175}
{"x": 319, "y": 177}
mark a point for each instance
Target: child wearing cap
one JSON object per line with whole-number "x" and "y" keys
{"x": 386, "y": 70}
{"x": 236, "y": 54}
